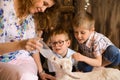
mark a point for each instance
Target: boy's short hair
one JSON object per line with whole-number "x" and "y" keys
{"x": 60, "y": 30}
{"x": 85, "y": 19}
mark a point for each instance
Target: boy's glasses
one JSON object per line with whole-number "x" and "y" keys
{"x": 59, "y": 43}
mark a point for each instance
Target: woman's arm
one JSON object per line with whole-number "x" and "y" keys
{"x": 11, "y": 46}
{"x": 91, "y": 61}
{"x": 29, "y": 45}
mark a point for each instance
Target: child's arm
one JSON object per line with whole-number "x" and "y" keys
{"x": 36, "y": 57}
{"x": 42, "y": 74}
{"x": 91, "y": 61}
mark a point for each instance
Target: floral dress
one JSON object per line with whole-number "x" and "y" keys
{"x": 11, "y": 30}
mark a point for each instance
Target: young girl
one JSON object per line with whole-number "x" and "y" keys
{"x": 94, "y": 48}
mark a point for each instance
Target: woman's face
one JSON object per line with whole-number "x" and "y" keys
{"x": 41, "y": 6}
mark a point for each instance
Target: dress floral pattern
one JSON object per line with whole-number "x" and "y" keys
{"x": 11, "y": 30}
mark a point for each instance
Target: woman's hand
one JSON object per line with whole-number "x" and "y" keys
{"x": 45, "y": 76}
{"x": 33, "y": 44}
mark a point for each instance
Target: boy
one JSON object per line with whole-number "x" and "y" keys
{"x": 60, "y": 42}
{"x": 94, "y": 48}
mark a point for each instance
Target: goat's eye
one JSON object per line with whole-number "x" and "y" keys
{"x": 54, "y": 58}
{"x": 61, "y": 66}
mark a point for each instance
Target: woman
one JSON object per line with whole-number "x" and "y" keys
{"x": 17, "y": 38}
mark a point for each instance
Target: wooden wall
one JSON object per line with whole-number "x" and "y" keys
{"x": 107, "y": 15}
{"x": 105, "y": 12}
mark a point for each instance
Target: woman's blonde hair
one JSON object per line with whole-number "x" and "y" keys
{"x": 23, "y": 7}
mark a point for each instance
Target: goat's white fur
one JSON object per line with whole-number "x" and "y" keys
{"x": 64, "y": 71}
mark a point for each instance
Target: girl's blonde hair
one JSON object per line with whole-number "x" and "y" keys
{"x": 84, "y": 20}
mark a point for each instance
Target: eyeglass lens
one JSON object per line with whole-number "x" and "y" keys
{"x": 59, "y": 43}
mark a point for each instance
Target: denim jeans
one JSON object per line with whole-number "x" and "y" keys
{"x": 112, "y": 54}
{"x": 84, "y": 67}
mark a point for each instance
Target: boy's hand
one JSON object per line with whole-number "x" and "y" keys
{"x": 45, "y": 76}
{"x": 77, "y": 57}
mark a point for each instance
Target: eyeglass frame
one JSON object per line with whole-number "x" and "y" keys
{"x": 59, "y": 43}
